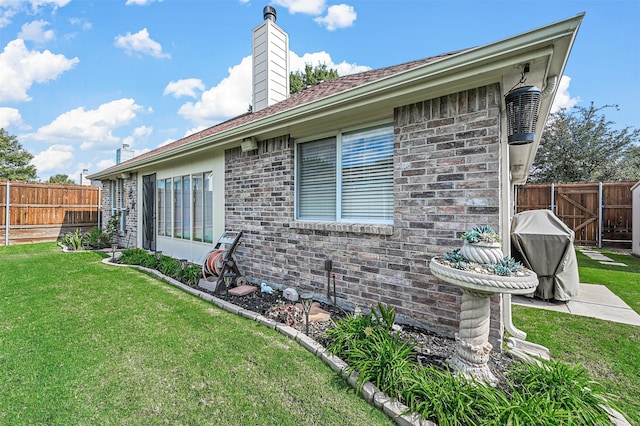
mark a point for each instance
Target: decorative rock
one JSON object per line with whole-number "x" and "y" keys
{"x": 290, "y": 294}
{"x": 242, "y": 290}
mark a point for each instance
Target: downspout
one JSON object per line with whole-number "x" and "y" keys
{"x": 507, "y": 195}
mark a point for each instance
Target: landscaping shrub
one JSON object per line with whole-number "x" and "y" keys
{"x": 348, "y": 332}
{"x": 383, "y": 359}
{"x": 191, "y": 275}
{"x": 446, "y": 399}
{"x": 73, "y": 240}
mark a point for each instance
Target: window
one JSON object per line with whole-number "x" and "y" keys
{"x": 348, "y": 178}
{"x": 118, "y": 207}
{"x": 160, "y": 209}
{"x": 208, "y": 207}
{"x": 177, "y": 210}
{"x": 198, "y": 209}
{"x": 185, "y": 207}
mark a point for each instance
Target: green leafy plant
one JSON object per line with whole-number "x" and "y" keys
{"x": 384, "y": 359}
{"x": 169, "y": 267}
{"x": 133, "y": 256}
{"x": 348, "y": 332}
{"x": 73, "y": 240}
{"x": 565, "y": 390}
{"x": 481, "y": 234}
{"x": 384, "y": 315}
{"x": 449, "y": 399}
{"x": 96, "y": 238}
{"x": 191, "y": 275}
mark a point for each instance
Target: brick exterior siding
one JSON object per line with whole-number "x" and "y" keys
{"x": 128, "y": 238}
{"x": 446, "y": 178}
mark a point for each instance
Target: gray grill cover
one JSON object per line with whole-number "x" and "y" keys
{"x": 545, "y": 245}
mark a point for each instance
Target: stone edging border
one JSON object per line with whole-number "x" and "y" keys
{"x": 393, "y": 409}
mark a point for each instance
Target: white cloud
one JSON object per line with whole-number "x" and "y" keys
{"x": 34, "y": 31}
{"x": 10, "y": 8}
{"x": 229, "y": 98}
{"x": 140, "y": 44}
{"x": 298, "y": 63}
{"x": 141, "y": 132}
{"x": 55, "y": 157}
{"x": 82, "y": 23}
{"x": 184, "y": 87}
{"x": 338, "y": 16}
{"x": 105, "y": 164}
{"x": 232, "y": 96}
{"x": 310, "y": 7}
{"x": 20, "y": 68}
{"x": 10, "y": 117}
{"x": 563, "y": 99}
{"x": 92, "y": 129}
{"x": 140, "y": 2}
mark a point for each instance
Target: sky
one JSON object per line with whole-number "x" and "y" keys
{"x": 80, "y": 78}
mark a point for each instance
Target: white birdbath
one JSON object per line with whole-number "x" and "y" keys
{"x": 473, "y": 347}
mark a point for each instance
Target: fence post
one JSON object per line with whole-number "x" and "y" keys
{"x": 599, "y": 214}
{"x": 6, "y": 217}
{"x": 553, "y": 197}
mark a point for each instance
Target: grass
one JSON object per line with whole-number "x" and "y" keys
{"x": 86, "y": 343}
{"x": 608, "y": 350}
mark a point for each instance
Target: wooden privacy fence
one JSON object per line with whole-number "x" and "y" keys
{"x": 598, "y": 212}
{"x": 31, "y": 212}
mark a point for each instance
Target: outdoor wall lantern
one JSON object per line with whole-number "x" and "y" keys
{"x": 306, "y": 299}
{"x": 249, "y": 144}
{"x": 522, "y": 114}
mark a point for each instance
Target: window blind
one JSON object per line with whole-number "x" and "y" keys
{"x": 367, "y": 174}
{"x": 317, "y": 180}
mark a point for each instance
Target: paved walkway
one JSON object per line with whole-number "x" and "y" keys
{"x": 593, "y": 300}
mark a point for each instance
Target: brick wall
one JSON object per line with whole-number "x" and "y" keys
{"x": 127, "y": 238}
{"x": 446, "y": 160}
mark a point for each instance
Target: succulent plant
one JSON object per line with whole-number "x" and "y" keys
{"x": 454, "y": 256}
{"x": 505, "y": 267}
{"x": 481, "y": 234}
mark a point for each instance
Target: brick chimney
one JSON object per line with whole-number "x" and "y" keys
{"x": 270, "y": 62}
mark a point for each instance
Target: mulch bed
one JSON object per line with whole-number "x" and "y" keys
{"x": 432, "y": 348}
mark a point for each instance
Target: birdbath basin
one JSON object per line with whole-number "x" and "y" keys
{"x": 473, "y": 347}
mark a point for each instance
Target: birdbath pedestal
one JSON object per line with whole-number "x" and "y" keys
{"x": 472, "y": 340}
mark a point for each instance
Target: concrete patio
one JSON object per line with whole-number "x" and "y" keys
{"x": 593, "y": 300}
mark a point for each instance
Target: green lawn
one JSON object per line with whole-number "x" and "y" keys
{"x": 609, "y": 351}
{"x": 86, "y": 343}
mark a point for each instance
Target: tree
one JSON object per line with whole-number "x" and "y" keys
{"x": 60, "y": 178}
{"x": 310, "y": 77}
{"x": 14, "y": 160}
{"x": 581, "y": 145}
